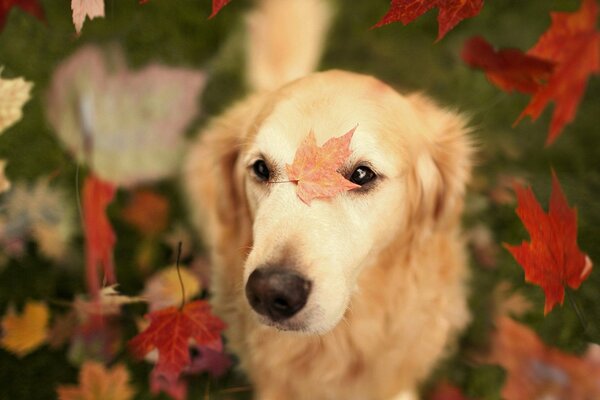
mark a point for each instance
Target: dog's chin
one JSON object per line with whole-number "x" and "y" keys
{"x": 303, "y": 324}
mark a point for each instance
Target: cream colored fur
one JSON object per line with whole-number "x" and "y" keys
{"x": 388, "y": 264}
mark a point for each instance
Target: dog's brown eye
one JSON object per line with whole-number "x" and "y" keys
{"x": 261, "y": 170}
{"x": 362, "y": 175}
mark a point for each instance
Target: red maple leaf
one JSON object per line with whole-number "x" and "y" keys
{"x": 573, "y": 43}
{"x": 509, "y": 69}
{"x": 536, "y": 371}
{"x": 30, "y": 6}
{"x": 170, "y": 331}
{"x": 99, "y": 235}
{"x": 552, "y": 259}
{"x": 451, "y": 12}
{"x": 315, "y": 169}
{"x": 217, "y": 5}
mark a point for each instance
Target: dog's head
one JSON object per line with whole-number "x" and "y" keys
{"x": 410, "y": 158}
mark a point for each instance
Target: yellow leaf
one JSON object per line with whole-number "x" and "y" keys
{"x": 98, "y": 383}
{"x": 14, "y": 93}
{"x": 164, "y": 289}
{"x": 23, "y": 333}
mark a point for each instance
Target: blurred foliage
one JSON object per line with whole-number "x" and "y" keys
{"x": 178, "y": 33}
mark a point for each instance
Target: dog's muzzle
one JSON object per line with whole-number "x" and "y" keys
{"x": 276, "y": 292}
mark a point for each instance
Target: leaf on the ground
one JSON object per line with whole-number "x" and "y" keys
{"x": 508, "y": 302}
{"x": 24, "y": 332}
{"x": 4, "y": 182}
{"x": 484, "y": 245}
{"x": 536, "y": 371}
{"x": 552, "y": 259}
{"x": 175, "y": 389}
{"x": 30, "y": 6}
{"x": 509, "y": 69}
{"x": 147, "y": 211}
{"x": 100, "y": 237}
{"x": 163, "y": 289}
{"x": 217, "y": 5}
{"x": 170, "y": 331}
{"x": 83, "y": 9}
{"x": 446, "y": 391}
{"x": 451, "y": 12}
{"x": 96, "y": 337}
{"x": 315, "y": 169}
{"x": 572, "y": 42}
{"x": 36, "y": 211}
{"x": 99, "y": 383}
{"x": 502, "y": 192}
{"x": 14, "y": 93}
{"x": 128, "y": 126}
{"x": 62, "y": 329}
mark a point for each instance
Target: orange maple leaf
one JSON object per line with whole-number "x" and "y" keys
{"x": 170, "y": 330}
{"x": 509, "y": 69}
{"x": 217, "y": 5}
{"x": 315, "y": 169}
{"x": 536, "y": 371}
{"x": 573, "y": 43}
{"x": 451, "y": 12}
{"x": 552, "y": 259}
{"x": 147, "y": 211}
{"x": 98, "y": 383}
{"x": 99, "y": 236}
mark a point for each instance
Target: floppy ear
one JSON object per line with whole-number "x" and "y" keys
{"x": 214, "y": 185}
{"x": 443, "y": 167}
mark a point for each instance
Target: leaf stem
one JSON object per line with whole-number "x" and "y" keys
{"x": 580, "y": 315}
{"x": 179, "y": 275}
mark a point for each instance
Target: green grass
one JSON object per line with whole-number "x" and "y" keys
{"x": 177, "y": 33}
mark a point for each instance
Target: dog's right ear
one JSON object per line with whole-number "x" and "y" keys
{"x": 214, "y": 183}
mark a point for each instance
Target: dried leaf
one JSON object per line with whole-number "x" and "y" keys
{"x": 86, "y": 8}
{"x": 25, "y": 332}
{"x": 128, "y": 126}
{"x": 573, "y": 43}
{"x": 14, "y": 93}
{"x": 170, "y": 331}
{"x": 99, "y": 383}
{"x": 552, "y": 259}
{"x": 509, "y": 69}
{"x": 147, "y": 211}
{"x": 507, "y": 302}
{"x": 38, "y": 211}
{"x": 315, "y": 169}
{"x": 109, "y": 303}
{"x": 451, "y": 12}
{"x": 537, "y": 372}
{"x": 30, "y": 6}
{"x": 163, "y": 289}
{"x": 99, "y": 236}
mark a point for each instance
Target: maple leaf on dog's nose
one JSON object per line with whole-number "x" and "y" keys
{"x": 315, "y": 169}
{"x": 552, "y": 259}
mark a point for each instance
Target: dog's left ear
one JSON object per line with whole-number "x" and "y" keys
{"x": 443, "y": 167}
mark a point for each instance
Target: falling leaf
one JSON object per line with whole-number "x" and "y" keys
{"x": 170, "y": 331}
{"x": 14, "y": 93}
{"x": 315, "y": 169}
{"x": 217, "y": 5}
{"x": 147, "y": 211}
{"x": 176, "y": 389}
{"x": 209, "y": 358}
{"x": 37, "y": 211}
{"x": 23, "y": 333}
{"x": 573, "y": 43}
{"x": 537, "y": 372}
{"x": 4, "y": 182}
{"x": 86, "y": 8}
{"x": 109, "y": 302}
{"x": 30, "y": 6}
{"x": 509, "y": 69}
{"x": 99, "y": 383}
{"x": 99, "y": 236}
{"x": 451, "y": 12}
{"x": 552, "y": 259}
{"x": 128, "y": 126}
{"x": 163, "y": 289}
{"x": 507, "y": 302}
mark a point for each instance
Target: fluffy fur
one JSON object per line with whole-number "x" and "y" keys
{"x": 387, "y": 264}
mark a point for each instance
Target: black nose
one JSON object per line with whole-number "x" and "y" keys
{"x": 277, "y": 292}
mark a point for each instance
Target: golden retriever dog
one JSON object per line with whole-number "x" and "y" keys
{"x": 351, "y": 297}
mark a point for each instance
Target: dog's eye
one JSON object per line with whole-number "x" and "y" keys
{"x": 362, "y": 175}
{"x": 261, "y": 170}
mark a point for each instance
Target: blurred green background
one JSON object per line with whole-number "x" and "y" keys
{"x": 178, "y": 33}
